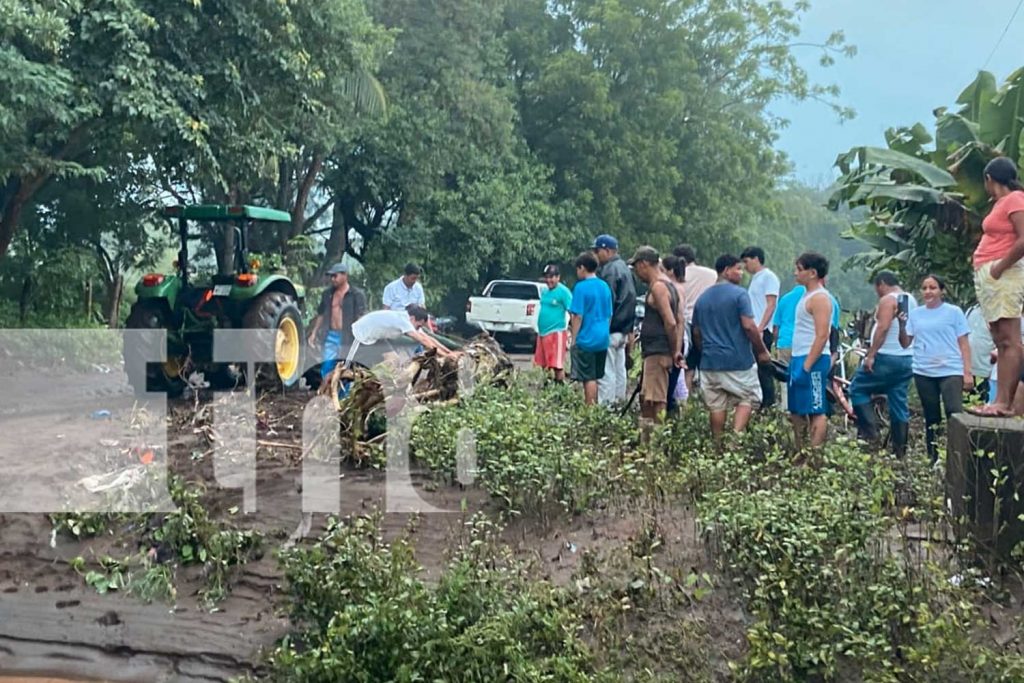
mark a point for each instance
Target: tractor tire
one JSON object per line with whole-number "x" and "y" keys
{"x": 158, "y": 377}
{"x": 278, "y": 311}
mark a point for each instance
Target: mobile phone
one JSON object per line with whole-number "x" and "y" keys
{"x": 903, "y": 304}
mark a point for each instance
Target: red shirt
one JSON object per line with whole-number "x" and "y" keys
{"x": 998, "y": 233}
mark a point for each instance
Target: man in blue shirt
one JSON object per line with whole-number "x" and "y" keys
{"x": 729, "y": 340}
{"x": 591, "y": 312}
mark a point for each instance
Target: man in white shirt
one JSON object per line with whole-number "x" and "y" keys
{"x": 378, "y": 326}
{"x": 697, "y": 281}
{"x": 764, "y": 297}
{"x": 887, "y": 368}
{"x": 406, "y": 290}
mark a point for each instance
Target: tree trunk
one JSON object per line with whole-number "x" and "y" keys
{"x": 25, "y": 299}
{"x": 337, "y": 242}
{"x": 15, "y": 196}
{"x": 302, "y": 196}
{"x": 112, "y": 306}
{"x": 225, "y": 246}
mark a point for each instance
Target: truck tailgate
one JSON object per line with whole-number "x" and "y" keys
{"x": 506, "y": 314}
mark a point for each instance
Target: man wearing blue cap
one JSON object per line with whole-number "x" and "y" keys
{"x": 614, "y": 271}
{"x": 341, "y": 304}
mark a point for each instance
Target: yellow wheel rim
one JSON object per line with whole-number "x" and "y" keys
{"x": 287, "y": 348}
{"x": 172, "y": 367}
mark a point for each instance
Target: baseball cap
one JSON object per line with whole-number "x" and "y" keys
{"x": 337, "y": 268}
{"x": 551, "y": 269}
{"x": 605, "y": 242}
{"x": 649, "y": 254}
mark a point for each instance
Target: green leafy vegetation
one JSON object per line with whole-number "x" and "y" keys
{"x": 925, "y": 194}
{"x": 186, "y": 537}
{"x": 364, "y": 614}
{"x": 822, "y": 550}
{"x": 388, "y": 129}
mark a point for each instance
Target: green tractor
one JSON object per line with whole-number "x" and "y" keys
{"x": 190, "y": 312}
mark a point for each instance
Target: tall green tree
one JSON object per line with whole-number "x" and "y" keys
{"x": 75, "y": 76}
{"x": 653, "y": 112}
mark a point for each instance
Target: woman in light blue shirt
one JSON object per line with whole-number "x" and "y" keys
{"x": 938, "y": 331}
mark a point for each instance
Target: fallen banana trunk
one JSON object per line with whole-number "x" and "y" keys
{"x": 427, "y": 379}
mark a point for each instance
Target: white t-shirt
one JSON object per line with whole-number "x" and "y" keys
{"x": 936, "y": 332}
{"x": 378, "y": 325}
{"x": 981, "y": 342}
{"x": 763, "y": 284}
{"x": 891, "y": 346}
{"x": 397, "y": 296}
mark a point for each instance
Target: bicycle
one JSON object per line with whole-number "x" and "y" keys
{"x": 839, "y": 389}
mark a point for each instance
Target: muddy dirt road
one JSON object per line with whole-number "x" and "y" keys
{"x": 53, "y": 624}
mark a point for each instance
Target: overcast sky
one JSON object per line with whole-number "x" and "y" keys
{"x": 912, "y": 56}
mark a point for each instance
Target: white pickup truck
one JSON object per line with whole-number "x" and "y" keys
{"x": 508, "y": 310}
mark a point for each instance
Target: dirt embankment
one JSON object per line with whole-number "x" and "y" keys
{"x": 53, "y": 624}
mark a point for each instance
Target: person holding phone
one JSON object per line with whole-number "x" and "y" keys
{"x": 887, "y": 368}
{"x": 938, "y": 333}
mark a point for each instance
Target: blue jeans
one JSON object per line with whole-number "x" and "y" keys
{"x": 891, "y": 376}
{"x": 332, "y": 352}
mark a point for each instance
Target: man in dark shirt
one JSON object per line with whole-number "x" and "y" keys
{"x": 730, "y": 346}
{"x": 615, "y": 272}
{"x": 661, "y": 336}
{"x": 341, "y": 304}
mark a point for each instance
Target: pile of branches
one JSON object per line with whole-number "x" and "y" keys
{"x": 426, "y": 379}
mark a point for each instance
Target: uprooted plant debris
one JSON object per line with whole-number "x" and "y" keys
{"x": 364, "y": 397}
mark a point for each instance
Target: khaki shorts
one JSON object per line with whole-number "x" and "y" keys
{"x": 725, "y": 389}
{"x": 1002, "y": 298}
{"x": 656, "y": 371}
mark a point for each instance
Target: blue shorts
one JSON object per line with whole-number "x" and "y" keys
{"x": 806, "y": 391}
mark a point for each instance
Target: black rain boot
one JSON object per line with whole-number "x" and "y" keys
{"x": 933, "y": 448}
{"x": 900, "y": 432}
{"x": 867, "y": 425}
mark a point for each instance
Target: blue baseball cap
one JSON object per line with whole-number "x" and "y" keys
{"x": 605, "y": 242}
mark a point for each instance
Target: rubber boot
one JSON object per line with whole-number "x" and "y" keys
{"x": 900, "y": 432}
{"x": 933, "y": 448}
{"x": 867, "y": 425}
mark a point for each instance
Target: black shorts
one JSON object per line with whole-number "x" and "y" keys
{"x": 693, "y": 358}
{"x": 587, "y": 366}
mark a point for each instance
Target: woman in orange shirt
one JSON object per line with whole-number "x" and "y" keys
{"x": 999, "y": 277}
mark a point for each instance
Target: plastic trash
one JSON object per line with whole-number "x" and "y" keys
{"x": 101, "y": 415}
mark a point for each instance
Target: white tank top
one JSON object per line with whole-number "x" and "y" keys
{"x": 803, "y": 330}
{"x": 891, "y": 346}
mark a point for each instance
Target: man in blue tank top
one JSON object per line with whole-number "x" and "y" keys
{"x": 887, "y": 368}
{"x": 808, "y": 372}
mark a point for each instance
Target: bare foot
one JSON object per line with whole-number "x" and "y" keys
{"x": 990, "y": 410}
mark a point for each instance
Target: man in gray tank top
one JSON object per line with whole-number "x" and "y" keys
{"x": 887, "y": 368}
{"x": 661, "y": 336}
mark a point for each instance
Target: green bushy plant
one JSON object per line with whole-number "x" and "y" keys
{"x": 363, "y": 613}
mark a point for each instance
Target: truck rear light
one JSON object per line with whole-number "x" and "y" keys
{"x": 236, "y": 210}
{"x": 174, "y": 211}
{"x": 246, "y": 280}
{"x": 152, "y": 279}
{"x": 530, "y": 308}
{"x": 469, "y": 307}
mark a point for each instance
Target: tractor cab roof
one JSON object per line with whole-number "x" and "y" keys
{"x": 225, "y": 212}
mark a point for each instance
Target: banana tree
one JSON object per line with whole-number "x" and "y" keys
{"x": 923, "y": 195}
